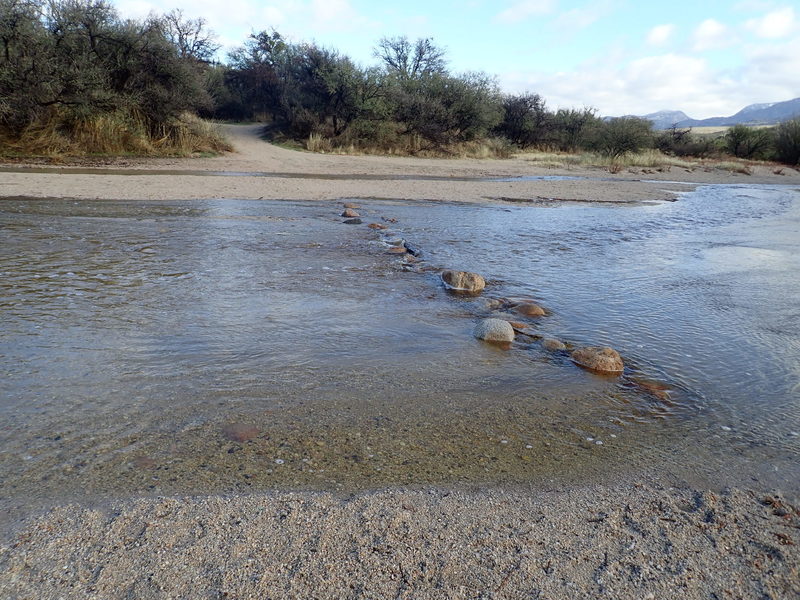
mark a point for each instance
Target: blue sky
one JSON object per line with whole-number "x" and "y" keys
{"x": 707, "y": 58}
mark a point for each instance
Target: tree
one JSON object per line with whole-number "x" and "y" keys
{"x": 409, "y": 60}
{"x": 190, "y": 36}
{"x": 526, "y": 121}
{"x": 622, "y": 135}
{"x": 787, "y": 142}
{"x": 746, "y": 142}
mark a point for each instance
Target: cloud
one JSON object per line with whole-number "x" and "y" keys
{"x": 660, "y": 34}
{"x": 711, "y": 35}
{"x": 580, "y": 18}
{"x": 669, "y": 81}
{"x": 776, "y": 24}
{"x": 336, "y": 16}
{"x": 523, "y": 9}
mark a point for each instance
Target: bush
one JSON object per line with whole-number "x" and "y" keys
{"x": 746, "y": 142}
{"x": 526, "y": 121}
{"x": 787, "y": 142}
{"x": 624, "y": 135}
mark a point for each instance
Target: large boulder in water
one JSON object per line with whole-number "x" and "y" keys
{"x": 350, "y": 213}
{"x": 595, "y": 358}
{"x": 463, "y": 281}
{"x": 494, "y": 330}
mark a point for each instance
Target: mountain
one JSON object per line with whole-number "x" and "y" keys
{"x": 770, "y": 113}
{"x": 754, "y": 114}
{"x": 664, "y": 119}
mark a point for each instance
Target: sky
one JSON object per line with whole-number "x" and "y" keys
{"x": 707, "y": 58}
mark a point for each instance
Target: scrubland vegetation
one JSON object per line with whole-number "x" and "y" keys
{"x": 76, "y": 78}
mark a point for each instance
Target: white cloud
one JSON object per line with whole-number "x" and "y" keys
{"x": 711, "y": 35}
{"x": 523, "y": 9}
{"x": 580, "y": 18}
{"x": 776, "y": 24}
{"x": 335, "y": 16}
{"x": 660, "y": 34}
{"x": 669, "y": 81}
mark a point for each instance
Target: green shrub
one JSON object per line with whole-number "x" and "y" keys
{"x": 616, "y": 137}
{"x": 787, "y": 142}
{"x": 746, "y": 142}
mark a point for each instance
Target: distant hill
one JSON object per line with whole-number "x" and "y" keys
{"x": 755, "y": 114}
{"x": 770, "y": 113}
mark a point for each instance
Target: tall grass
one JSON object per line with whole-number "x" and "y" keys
{"x": 119, "y": 133}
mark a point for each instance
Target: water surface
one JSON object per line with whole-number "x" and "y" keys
{"x": 218, "y": 346}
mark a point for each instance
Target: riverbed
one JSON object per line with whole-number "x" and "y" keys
{"x": 233, "y": 346}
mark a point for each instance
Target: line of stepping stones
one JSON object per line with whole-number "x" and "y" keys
{"x": 600, "y": 359}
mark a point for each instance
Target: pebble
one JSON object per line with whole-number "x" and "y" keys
{"x": 349, "y": 213}
{"x": 604, "y": 360}
{"x": 352, "y": 222}
{"x": 279, "y": 461}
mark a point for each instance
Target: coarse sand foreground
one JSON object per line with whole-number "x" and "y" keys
{"x": 463, "y": 180}
{"x": 639, "y": 541}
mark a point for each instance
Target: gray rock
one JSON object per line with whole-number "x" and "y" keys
{"x": 352, "y": 222}
{"x": 494, "y": 330}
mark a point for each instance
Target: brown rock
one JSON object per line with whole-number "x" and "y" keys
{"x": 463, "y": 281}
{"x": 595, "y": 358}
{"x": 240, "y": 432}
{"x": 553, "y": 345}
{"x": 396, "y": 250}
{"x": 350, "y": 213}
{"x": 377, "y": 226}
{"x": 350, "y": 205}
{"x": 656, "y": 388}
{"x": 529, "y": 309}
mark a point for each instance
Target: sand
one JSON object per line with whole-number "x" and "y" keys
{"x": 633, "y": 541}
{"x": 638, "y": 538}
{"x": 463, "y": 180}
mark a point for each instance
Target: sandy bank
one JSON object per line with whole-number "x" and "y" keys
{"x": 638, "y": 541}
{"x": 255, "y": 156}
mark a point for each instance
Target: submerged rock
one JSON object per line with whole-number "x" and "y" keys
{"x": 595, "y": 358}
{"x": 352, "y": 222}
{"x": 350, "y": 213}
{"x": 553, "y": 345}
{"x": 463, "y": 281}
{"x": 494, "y": 330}
{"x": 376, "y": 226}
{"x": 240, "y": 432}
{"x": 529, "y": 309}
{"x": 350, "y": 205}
{"x": 658, "y": 389}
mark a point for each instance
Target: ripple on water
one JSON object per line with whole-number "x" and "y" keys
{"x": 257, "y": 332}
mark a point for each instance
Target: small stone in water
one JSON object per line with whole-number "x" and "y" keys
{"x": 279, "y": 461}
{"x": 726, "y": 428}
{"x": 240, "y": 432}
{"x": 503, "y": 441}
{"x": 350, "y": 213}
{"x": 599, "y": 443}
{"x": 528, "y": 446}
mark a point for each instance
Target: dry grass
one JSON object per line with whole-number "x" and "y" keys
{"x": 412, "y": 145}
{"x": 113, "y": 134}
{"x": 648, "y": 159}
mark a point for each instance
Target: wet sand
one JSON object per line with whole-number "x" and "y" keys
{"x": 646, "y": 536}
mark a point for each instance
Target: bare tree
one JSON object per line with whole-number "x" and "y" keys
{"x": 189, "y": 36}
{"x": 411, "y": 60}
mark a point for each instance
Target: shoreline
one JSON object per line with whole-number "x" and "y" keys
{"x": 632, "y": 540}
{"x": 295, "y": 175}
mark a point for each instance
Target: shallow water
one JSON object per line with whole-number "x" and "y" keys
{"x": 101, "y": 172}
{"x": 231, "y": 345}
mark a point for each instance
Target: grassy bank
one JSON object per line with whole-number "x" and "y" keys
{"x": 58, "y": 137}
